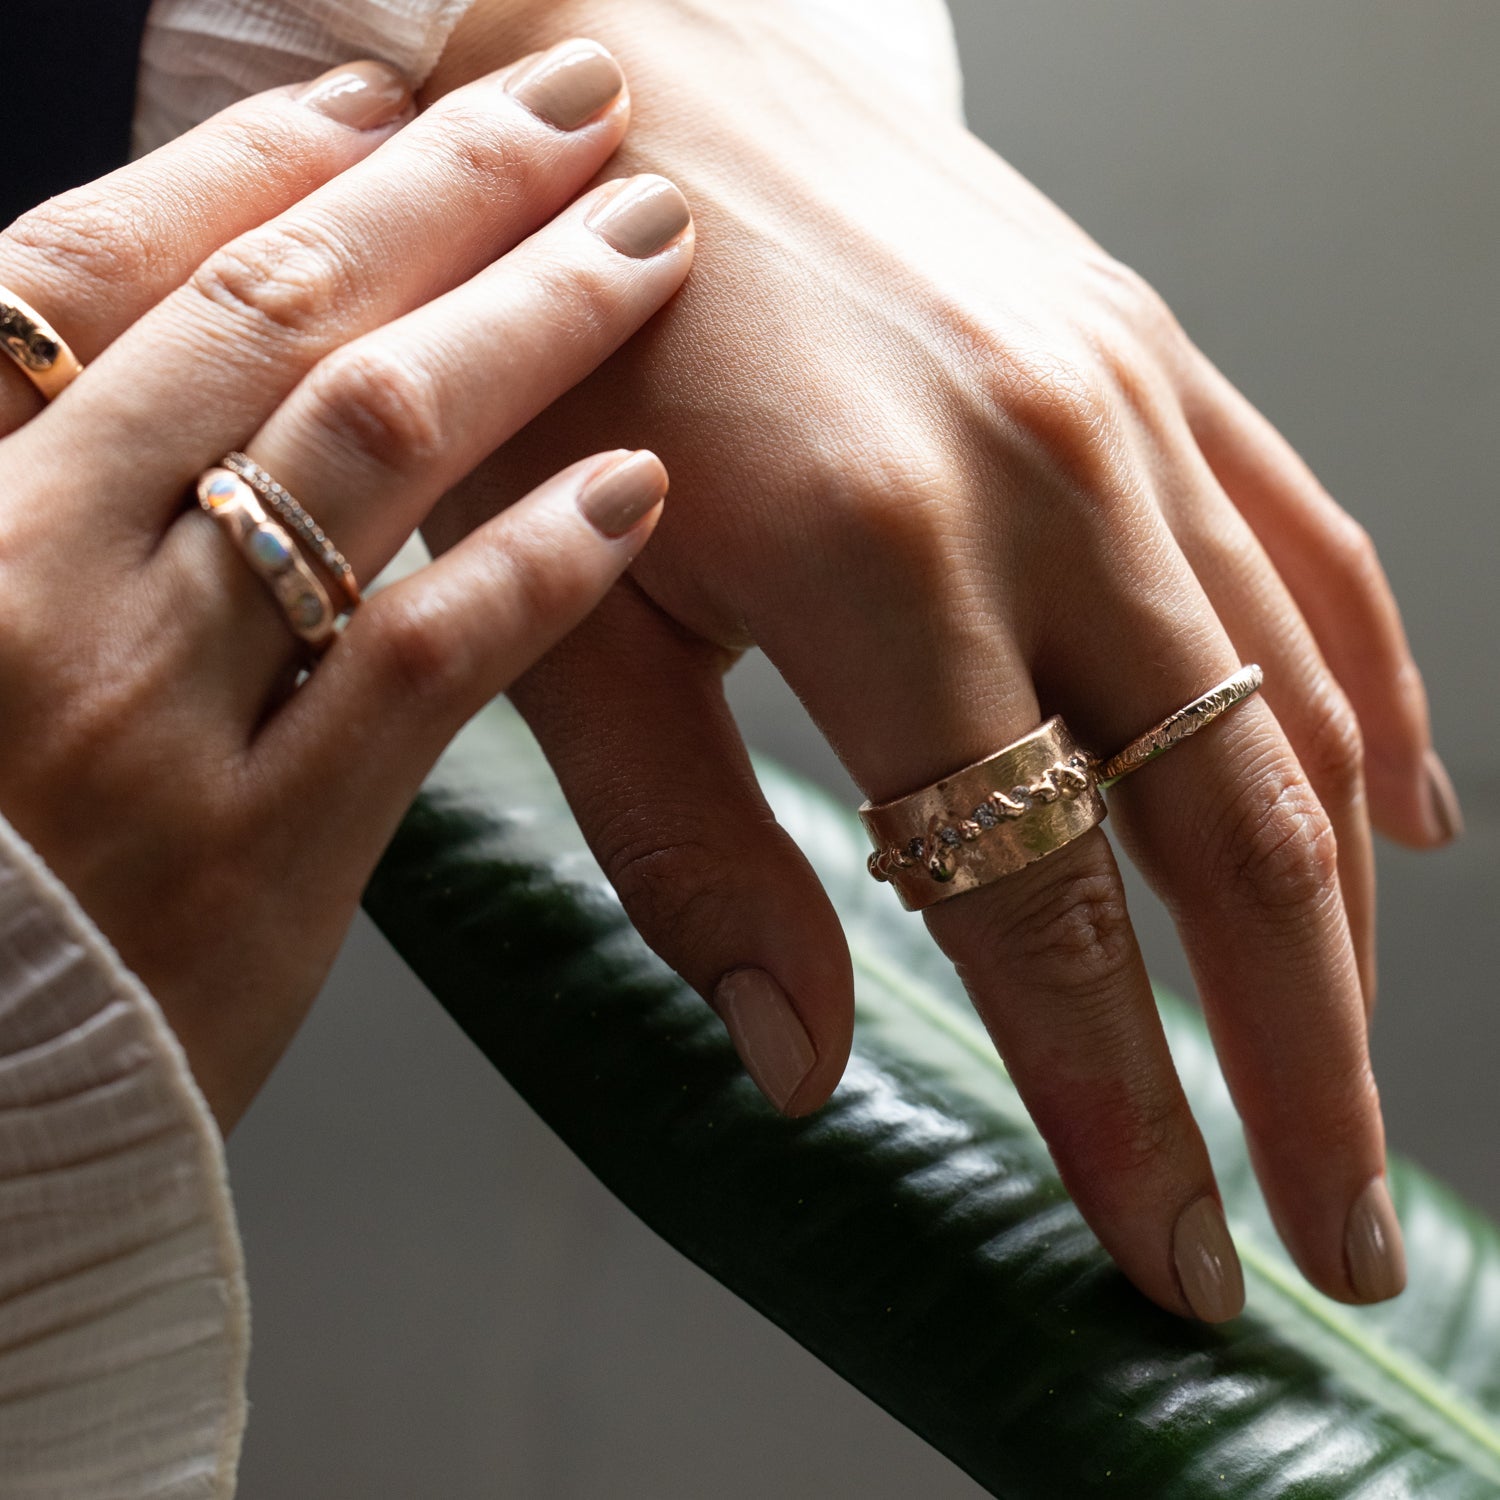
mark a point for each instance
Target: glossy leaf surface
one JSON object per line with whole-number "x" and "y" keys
{"x": 913, "y": 1234}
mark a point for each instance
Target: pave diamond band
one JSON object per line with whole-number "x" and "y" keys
{"x": 1176, "y": 727}
{"x": 292, "y": 515}
{"x": 987, "y": 820}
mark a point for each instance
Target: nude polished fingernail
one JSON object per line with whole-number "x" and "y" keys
{"x": 1373, "y": 1247}
{"x": 1208, "y": 1266}
{"x": 766, "y": 1031}
{"x": 362, "y": 95}
{"x": 642, "y": 219}
{"x": 615, "y": 500}
{"x": 568, "y": 85}
{"x": 1442, "y": 801}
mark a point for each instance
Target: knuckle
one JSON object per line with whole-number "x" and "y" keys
{"x": 1355, "y": 547}
{"x": 419, "y": 648}
{"x": 1068, "y": 407}
{"x": 579, "y": 295}
{"x": 1332, "y": 748}
{"x": 279, "y": 280}
{"x": 471, "y": 152}
{"x": 669, "y": 883}
{"x": 83, "y": 236}
{"x": 381, "y": 407}
{"x": 1279, "y": 856}
{"x": 1128, "y": 294}
{"x": 1075, "y": 933}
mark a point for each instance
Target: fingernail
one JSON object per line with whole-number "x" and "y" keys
{"x": 1372, "y": 1245}
{"x": 362, "y": 95}
{"x": 1442, "y": 801}
{"x": 614, "y": 501}
{"x": 642, "y": 218}
{"x": 766, "y": 1032}
{"x": 1207, "y": 1265}
{"x": 568, "y": 85}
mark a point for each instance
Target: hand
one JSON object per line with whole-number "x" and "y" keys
{"x": 956, "y": 469}
{"x": 368, "y": 306}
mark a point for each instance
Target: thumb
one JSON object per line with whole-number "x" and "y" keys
{"x": 630, "y": 710}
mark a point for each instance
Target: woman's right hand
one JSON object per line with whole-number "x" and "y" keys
{"x": 368, "y": 305}
{"x": 955, "y": 469}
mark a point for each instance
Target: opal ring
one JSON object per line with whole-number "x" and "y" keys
{"x": 272, "y": 554}
{"x": 36, "y": 347}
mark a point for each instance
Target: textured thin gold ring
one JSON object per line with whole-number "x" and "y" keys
{"x": 989, "y": 819}
{"x": 272, "y": 555}
{"x": 36, "y": 347}
{"x": 1176, "y": 727}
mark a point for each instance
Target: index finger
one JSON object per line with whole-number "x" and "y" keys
{"x": 96, "y": 259}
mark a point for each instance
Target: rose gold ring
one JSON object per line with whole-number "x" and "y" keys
{"x": 990, "y": 819}
{"x": 1175, "y": 728}
{"x": 35, "y": 345}
{"x": 292, "y": 515}
{"x": 272, "y": 554}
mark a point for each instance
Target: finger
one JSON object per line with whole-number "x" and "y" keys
{"x": 380, "y": 429}
{"x": 631, "y": 712}
{"x": 440, "y": 200}
{"x": 1229, "y": 832}
{"x": 99, "y": 257}
{"x": 1330, "y": 566}
{"x": 1047, "y": 954}
{"x": 1265, "y": 625}
{"x": 421, "y": 657}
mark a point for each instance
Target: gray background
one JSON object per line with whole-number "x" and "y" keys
{"x": 445, "y": 1303}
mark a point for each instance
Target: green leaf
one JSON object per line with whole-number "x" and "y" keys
{"x": 913, "y": 1234}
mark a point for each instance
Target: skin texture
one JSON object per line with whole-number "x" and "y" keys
{"x": 955, "y": 469}
{"x": 367, "y": 306}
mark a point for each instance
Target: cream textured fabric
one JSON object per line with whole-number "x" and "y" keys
{"x": 123, "y": 1324}
{"x": 201, "y": 55}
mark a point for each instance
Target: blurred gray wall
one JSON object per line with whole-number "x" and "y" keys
{"x": 445, "y": 1303}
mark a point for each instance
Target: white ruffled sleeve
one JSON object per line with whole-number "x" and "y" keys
{"x": 123, "y": 1318}
{"x": 201, "y": 55}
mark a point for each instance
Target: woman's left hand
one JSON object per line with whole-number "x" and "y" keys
{"x": 368, "y": 305}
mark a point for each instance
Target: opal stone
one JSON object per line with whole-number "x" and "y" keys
{"x": 221, "y": 490}
{"x": 270, "y": 551}
{"x": 307, "y": 610}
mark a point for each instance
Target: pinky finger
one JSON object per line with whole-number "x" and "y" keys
{"x": 421, "y": 657}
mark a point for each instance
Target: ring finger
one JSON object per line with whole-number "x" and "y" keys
{"x": 382, "y": 428}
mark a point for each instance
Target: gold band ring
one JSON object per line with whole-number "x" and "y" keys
{"x": 37, "y": 348}
{"x": 1176, "y": 727}
{"x": 280, "y": 500}
{"x": 272, "y": 554}
{"x": 989, "y": 819}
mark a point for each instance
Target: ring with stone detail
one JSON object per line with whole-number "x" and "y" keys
{"x": 989, "y": 819}
{"x": 36, "y": 347}
{"x": 272, "y": 554}
{"x": 292, "y": 515}
{"x": 1188, "y": 720}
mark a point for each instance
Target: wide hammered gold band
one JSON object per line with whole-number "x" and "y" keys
{"x": 36, "y": 347}
{"x": 272, "y": 555}
{"x": 1176, "y": 727}
{"x": 989, "y": 819}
